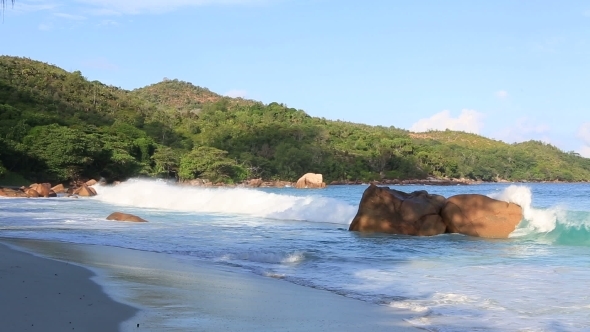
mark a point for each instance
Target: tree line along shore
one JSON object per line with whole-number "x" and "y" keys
{"x": 57, "y": 126}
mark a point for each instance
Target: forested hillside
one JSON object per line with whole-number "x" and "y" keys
{"x": 57, "y": 126}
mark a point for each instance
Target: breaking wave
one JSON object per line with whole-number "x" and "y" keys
{"x": 554, "y": 225}
{"x": 160, "y": 195}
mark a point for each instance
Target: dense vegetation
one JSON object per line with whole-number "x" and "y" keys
{"x": 57, "y": 126}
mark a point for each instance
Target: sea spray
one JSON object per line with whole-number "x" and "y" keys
{"x": 552, "y": 225}
{"x": 160, "y": 195}
{"x": 534, "y": 220}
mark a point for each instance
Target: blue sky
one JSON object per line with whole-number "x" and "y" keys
{"x": 509, "y": 70}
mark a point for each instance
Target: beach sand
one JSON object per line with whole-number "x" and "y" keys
{"x": 172, "y": 292}
{"x": 45, "y": 295}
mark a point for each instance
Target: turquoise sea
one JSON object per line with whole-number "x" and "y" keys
{"x": 537, "y": 280}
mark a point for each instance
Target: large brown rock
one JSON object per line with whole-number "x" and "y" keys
{"x": 31, "y": 193}
{"x": 479, "y": 215}
{"x": 44, "y": 189}
{"x": 310, "y": 180}
{"x": 387, "y": 210}
{"x": 91, "y": 182}
{"x": 119, "y": 216}
{"x": 58, "y": 189}
{"x": 85, "y": 191}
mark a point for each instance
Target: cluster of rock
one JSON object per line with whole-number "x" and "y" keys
{"x": 46, "y": 190}
{"x": 391, "y": 211}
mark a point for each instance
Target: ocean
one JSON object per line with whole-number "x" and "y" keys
{"x": 537, "y": 280}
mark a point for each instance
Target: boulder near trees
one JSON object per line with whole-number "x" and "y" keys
{"x": 311, "y": 180}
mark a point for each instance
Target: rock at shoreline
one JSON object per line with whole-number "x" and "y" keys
{"x": 385, "y": 210}
{"x": 254, "y": 183}
{"x": 91, "y": 182}
{"x": 34, "y": 191}
{"x": 85, "y": 191}
{"x": 310, "y": 180}
{"x": 391, "y": 211}
{"x": 44, "y": 189}
{"x": 59, "y": 189}
{"x": 479, "y": 215}
{"x": 8, "y": 192}
{"x": 119, "y": 216}
{"x": 31, "y": 193}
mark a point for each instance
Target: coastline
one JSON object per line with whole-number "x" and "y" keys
{"x": 24, "y": 191}
{"x": 178, "y": 294}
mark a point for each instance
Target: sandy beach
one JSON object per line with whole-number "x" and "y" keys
{"x": 172, "y": 294}
{"x": 46, "y": 295}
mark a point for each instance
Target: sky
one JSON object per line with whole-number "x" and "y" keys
{"x": 508, "y": 70}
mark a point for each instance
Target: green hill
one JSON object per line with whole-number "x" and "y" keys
{"x": 58, "y": 126}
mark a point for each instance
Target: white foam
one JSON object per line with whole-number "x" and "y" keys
{"x": 267, "y": 257}
{"x": 452, "y": 298}
{"x": 159, "y": 195}
{"x": 409, "y": 305}
{"x": 536, "y": 220}
{"x": 294, "y": 258}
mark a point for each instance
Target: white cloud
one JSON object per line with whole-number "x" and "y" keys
{"x": 70, "y": 16}
{"x": 118, "y": 7}
{"x": 525, "y": 129}
{"x": 236, "y": 94}
{"x": 502, "y": 94}
{"x": 468, "y": 120}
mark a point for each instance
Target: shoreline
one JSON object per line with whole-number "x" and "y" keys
{"x": 16, "y": 191}
{"x": 179, "y": 294}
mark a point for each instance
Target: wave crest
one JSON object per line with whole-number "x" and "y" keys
{"x": 554, "y": 225}
{"x": 535, "y": 220}
{"x": 160, "y": 195}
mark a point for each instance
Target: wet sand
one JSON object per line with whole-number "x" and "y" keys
{"x": 174, "y": 294}
{"x": 40, "y": 294}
